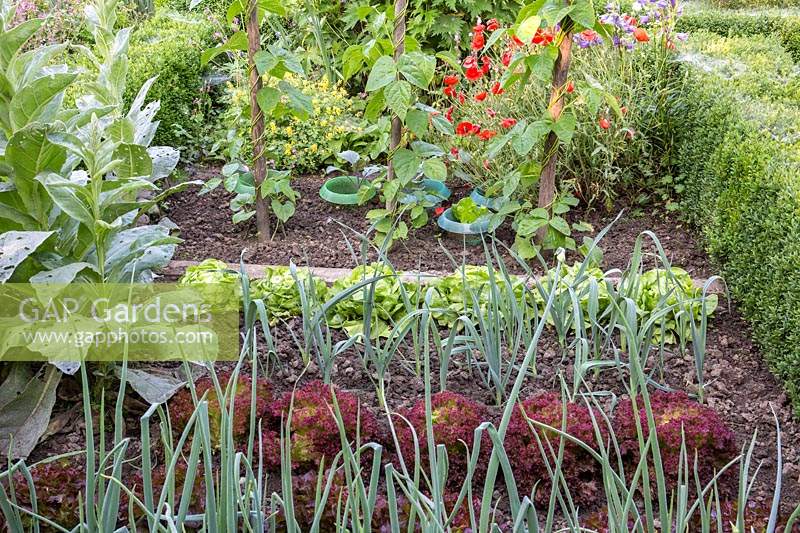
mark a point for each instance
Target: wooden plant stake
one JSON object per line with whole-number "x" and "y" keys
{"x": 257, "y": 124}
{"x": 396, "y": 135}
{"x": 547, "y": 182}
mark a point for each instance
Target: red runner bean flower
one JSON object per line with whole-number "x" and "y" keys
{"x": 464, "y": 128}
{"x": 478, "y": 41}
{"x": 473, "y": 73}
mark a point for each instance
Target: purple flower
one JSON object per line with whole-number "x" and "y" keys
{"x": 587, "y": 38}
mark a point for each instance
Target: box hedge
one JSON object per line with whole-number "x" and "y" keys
{"x": 785, "y": 28}
{"x": 739, "y": 160}
{"x": 169, "y": 46}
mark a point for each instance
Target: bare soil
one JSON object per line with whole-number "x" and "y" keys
{"x": 324, "y": 235}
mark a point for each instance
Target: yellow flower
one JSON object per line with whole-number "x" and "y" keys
{"x": 313, "y": 148}
{"x": 287, "y": 150}
{"x": 288, "y": 130}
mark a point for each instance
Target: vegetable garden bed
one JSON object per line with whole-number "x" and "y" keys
{"x": 356, "y": 266}
{"x": 740, "y": 387}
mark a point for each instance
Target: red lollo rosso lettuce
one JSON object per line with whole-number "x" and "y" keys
{"x": 455, "y": 418}
{"x": 674, "y": 413}
{"x": 579, "y": 468}
{"x": 314, "y": 431}
{"x": 181, "y": 407}
{"x": 57, "y": 485}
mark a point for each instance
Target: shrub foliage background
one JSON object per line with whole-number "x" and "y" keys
{"x": 739, "y": 163}
{"x": 169, "y": 46}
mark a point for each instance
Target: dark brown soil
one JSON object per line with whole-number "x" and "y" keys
{"x": 324, "y": 235}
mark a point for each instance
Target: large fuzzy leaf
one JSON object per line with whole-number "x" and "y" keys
{"x": 142, "y": 248}
{"x": 134, "y": 160}
{"x": 165, "y": 159}
{"x": 67, "y": 195}
{"x": 29, "y": 152}
{"x": 26, "y": 402}
{"x": 12, "y": 40}
{"x": 39, "y": 100}
{"x": 65, "y": 274}
{"x": 26, "y": 67}
{"x": 14, "y": 214}
{"x": 16, "y": 246}
{"x": 143, "y": 115}
{"x": 156, "y": 385}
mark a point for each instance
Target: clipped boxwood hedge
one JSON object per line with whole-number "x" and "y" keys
{"x": 784, "y": 28}
{"x": 169, "y": 46}
{"x": 739, "y": 161}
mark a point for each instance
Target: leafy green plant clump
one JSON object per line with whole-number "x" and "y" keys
{"x": 215, "y": 280}
{"x": 454, "y": 418}
{"x": 315, "y": 432}
{"x": 387, "y": 301}
{"x": 457, "y": 293}
{"x": 280, "y": 292}
{"x": 467, "y": 211}
{"x": 581, "y": 283}
{"x": 673, "y": 289}
{"x": 676, "y": 416}
{"x": 530, "y": 447}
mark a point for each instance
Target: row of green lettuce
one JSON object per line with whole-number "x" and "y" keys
{"x": 772, "y": 25}
{"x": 463, "y": 293}
{"x": 737, "y": 146}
